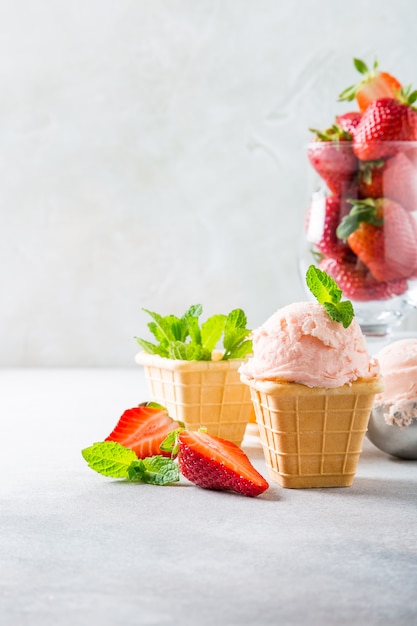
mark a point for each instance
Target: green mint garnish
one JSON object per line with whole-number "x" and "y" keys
{"x": 110, "y": 458}
{"x": 154, "y": 470}
{"x": 327, "y": 293}
{"x": 184, "y": 338}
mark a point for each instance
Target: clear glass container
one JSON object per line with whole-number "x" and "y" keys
{"x": 360, "y": 226}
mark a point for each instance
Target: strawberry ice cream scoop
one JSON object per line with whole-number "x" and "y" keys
{"x": 300, "y": 343}
{"x": 398, "y": 362}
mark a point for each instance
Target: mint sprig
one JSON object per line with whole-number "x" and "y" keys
{"x": 110, "y": 458}
{"x": 185, "y": 338}
{"x": 327, "y": 293}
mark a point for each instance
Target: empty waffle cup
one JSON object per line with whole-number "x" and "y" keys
{"x": 312, "y": 437}
{"x": 205, "y": 394}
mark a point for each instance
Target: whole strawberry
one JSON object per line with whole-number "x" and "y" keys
{"x": 214, "y": 463}
{"x": 394, "y": 178}
{"x": 357, "y": 283}
{"x": 323, "y": 217}
{"x": 349, "y": 121}
{"x": 383, "y": 235}
{"x": 385, "y": 121}
{"x": 331, "y": 155}
{"x": 373, "y": 86}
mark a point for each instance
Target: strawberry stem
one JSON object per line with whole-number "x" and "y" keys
{"x": 362, "y": 211}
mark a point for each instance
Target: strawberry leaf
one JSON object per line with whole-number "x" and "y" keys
{"x": 362, "y": 211}
{"x": 170, "y": 443}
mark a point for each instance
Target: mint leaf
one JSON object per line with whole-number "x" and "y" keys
{"x": 194, "y": 330}
{"x": 241, "y": 350}
{"x": 188, "y": 352}
{"x": 109, "y": 458}
{"x": 211, "y": 331}
{"x": 154, "y": 470}
{"x": 341, "y": 312}
{"x": 151, "y": 348}
{"x": 235, "y": 335}
{"x": 322, "y": 286}
{"x": 161, "y": 327}
{"x": 327, "y": 293}
{"x": 185, "y": 339}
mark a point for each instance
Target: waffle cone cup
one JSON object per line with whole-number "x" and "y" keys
{"x": 312, "y": 436}
{"x": 205, "y": 394}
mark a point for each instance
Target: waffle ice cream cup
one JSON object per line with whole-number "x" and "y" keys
{"x": 205, "y": 394}
{"x": 312, "y": 436}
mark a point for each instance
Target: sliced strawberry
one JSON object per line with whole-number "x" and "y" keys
{"x": 373, "y": 86}
{"x": 383, "y": 235}
{"x": 331, "y": 155}
{"x": 394, "y": 178}
{"x": 357, "y": 283}
{"x": 215, "y": 463}
{"x": 349, "y": 121}
{"x": 143, "y": 429}
{"x": 385, "y": 123}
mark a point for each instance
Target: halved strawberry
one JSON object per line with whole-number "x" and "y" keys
{"x": 143, "y": 429}
{"x": 394, "y": 178}
{"x": 385, "y": 123}
{"x": 331, "y": 155}
{"x": 384, "y": 237}
{"x": 373, "y": 86}
{"x": 214, "y": 463}
{"x": 357, "y": 283}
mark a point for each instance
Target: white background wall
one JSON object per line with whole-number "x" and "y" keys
{"x": 151, "y": 155}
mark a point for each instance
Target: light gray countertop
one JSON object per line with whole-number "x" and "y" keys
{"x": 78, "y": 549}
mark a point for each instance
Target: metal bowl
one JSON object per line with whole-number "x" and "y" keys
{"x": 399, "y": 442}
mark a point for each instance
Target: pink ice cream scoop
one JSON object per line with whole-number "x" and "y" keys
{"x": 393, "y": 421}
{"x": 300, "y": 343}
{"x": 398, "y": 362}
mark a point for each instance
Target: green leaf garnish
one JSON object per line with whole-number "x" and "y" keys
{"x": 154, "y": 470}
{"x": 170, "y": 443}
{"x": 327, "y": 293}
{"x": 186, "y": 339}
{"x": 110, "y": 458}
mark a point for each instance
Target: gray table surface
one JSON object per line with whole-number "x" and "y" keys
{"x": 80, "y": 549}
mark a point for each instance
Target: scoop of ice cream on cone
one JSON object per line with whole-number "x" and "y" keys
{"x": 300, "y": 343}
{"x": 312, "y": 384}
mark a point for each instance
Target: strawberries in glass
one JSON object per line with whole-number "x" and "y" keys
{"x": 362, "y": 221}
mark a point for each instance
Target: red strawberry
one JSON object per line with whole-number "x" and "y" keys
{"x": 323, "y": 217}
{"x": 349, "y": 121}
{"x": 215, "y": 463}
{"x": 373, "y": 86}
{"x": 332, "y": 157}
{"x": 394, "y": 178}
{"x": 357, "y": 283}
{"x": 384, "y": 237}
{"x": 143, "y": 429}
{"x": 385, "y": 120}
